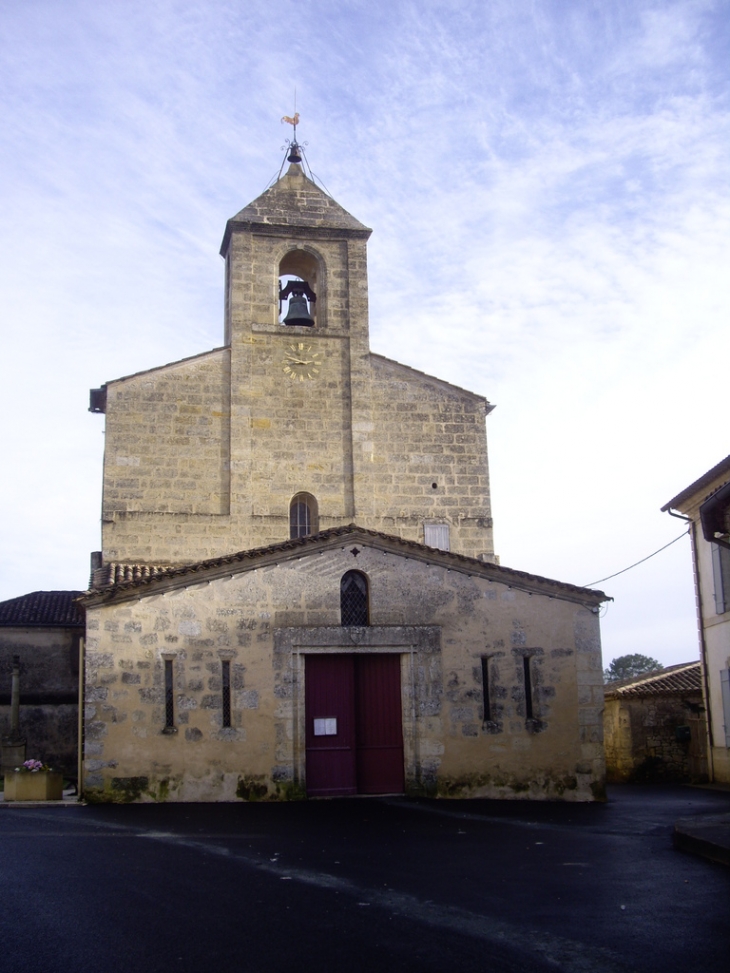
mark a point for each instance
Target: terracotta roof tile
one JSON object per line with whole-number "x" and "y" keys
{"x": 674, "y": 680}
{"x": 114, "y": 573}
{"x": 47, "y": 608}
{"x": 114, "y": 577}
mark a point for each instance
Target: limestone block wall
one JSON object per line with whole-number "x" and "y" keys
{"x": 300, "y": 437}
{"x": 253, "y": 261}
{"x": 263, "y": 621}
{"x": 429, "y": 462}
{"x": 292, "y": 431}
{"x": 641, "y": 741}
{"x": 166, "y": 457}
{"x": 203, "y": 456}
{"x": 49, "y": 686}
{"x": 200, "y": 464}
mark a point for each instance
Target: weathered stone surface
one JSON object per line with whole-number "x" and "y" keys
{"x": 204, "y": 455}
{"x": 449, "y": 747}
{"x": 203, "y": 458}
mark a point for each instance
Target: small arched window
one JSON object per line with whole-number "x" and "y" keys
{"x": 354, "y": 600}
{"x": 303, "y": 515}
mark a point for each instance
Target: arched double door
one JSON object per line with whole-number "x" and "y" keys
{"x": 354, "y": 726}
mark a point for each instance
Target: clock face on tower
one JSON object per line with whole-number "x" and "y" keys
{"x": 301, "y": 363}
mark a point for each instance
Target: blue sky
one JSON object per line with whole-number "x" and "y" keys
{"x": 548, "y": 189}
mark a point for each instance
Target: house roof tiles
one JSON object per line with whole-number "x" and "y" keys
{"x": 672, "y": 681}
{"x": 43, "y": 608}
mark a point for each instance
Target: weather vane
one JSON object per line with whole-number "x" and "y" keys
{"x": 295, "y": 154}
{"x": 294, "y": 150}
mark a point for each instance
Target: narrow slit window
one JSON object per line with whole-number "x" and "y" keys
{"x": 528, "y": 687}
{"x": 226, "y": 691}
{"x": 485, "y": 689}
{"x": 169, "y": 696}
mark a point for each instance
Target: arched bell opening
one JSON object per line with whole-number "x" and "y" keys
{"x": 298, "y": 288}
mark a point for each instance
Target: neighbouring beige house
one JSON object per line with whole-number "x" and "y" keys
{"x": 297, "y": 593}
{"x": 43, "y": 629}
{"x": 706, "y": 505}
{"x": 655, "y": 727}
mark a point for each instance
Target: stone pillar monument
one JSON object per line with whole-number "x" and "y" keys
{"x": 13, "y": 745}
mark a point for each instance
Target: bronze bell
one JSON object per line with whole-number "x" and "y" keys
{"x": 298, "y": 312}
{"x": 294, "y": 153}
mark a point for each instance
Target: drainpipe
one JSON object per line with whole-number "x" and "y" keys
{"x": 701, "y": 632}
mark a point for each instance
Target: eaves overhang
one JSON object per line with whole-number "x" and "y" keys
{"x": 700, "y": 484}
{"x": 214, "y": 569}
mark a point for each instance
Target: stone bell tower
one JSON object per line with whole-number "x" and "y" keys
{"x": 293, "y": 426}
{"x": 300, "y": 394}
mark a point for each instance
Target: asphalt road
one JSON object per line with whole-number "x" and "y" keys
{"x": 363, "y": 885}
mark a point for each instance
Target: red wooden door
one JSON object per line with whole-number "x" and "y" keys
{"x": 330, "y": 717}
{"x": 354, "y": 733}
{"x": 378, "y": 724}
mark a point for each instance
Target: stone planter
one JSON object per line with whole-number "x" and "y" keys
{"x": 41, "y": 785}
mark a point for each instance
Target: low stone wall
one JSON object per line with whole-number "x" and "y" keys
{"x": 644, "y": 742}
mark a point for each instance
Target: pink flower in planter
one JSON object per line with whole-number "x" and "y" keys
{"x": 34, "y": 765}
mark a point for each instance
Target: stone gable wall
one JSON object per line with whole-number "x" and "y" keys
{"x": 166, "y": 454}
{"x": 263, "y": 621}
{"x": 171, "y": 494}
{"x": 429, "y": 462}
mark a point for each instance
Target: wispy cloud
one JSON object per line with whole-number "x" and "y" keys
{"x": 548, "y": 188}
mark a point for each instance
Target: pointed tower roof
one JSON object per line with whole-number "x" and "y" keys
{"x": 295, "y": 201}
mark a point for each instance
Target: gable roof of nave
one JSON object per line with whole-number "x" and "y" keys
{"x": 135, "y": 581}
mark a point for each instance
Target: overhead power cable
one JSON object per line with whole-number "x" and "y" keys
{"x": 636, "y": 563}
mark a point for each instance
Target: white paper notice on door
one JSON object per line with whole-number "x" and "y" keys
{"x": 326, "y": 727}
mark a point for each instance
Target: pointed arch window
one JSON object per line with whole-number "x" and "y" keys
{"x": 303, "y": 515}
{"x": 354, "y": 599}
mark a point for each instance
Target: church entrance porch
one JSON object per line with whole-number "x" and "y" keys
{"x": 354, "y": 729}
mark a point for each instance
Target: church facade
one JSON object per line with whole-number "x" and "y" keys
{"x": 245, "y": 639}
{"x": 204, "y": 456}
